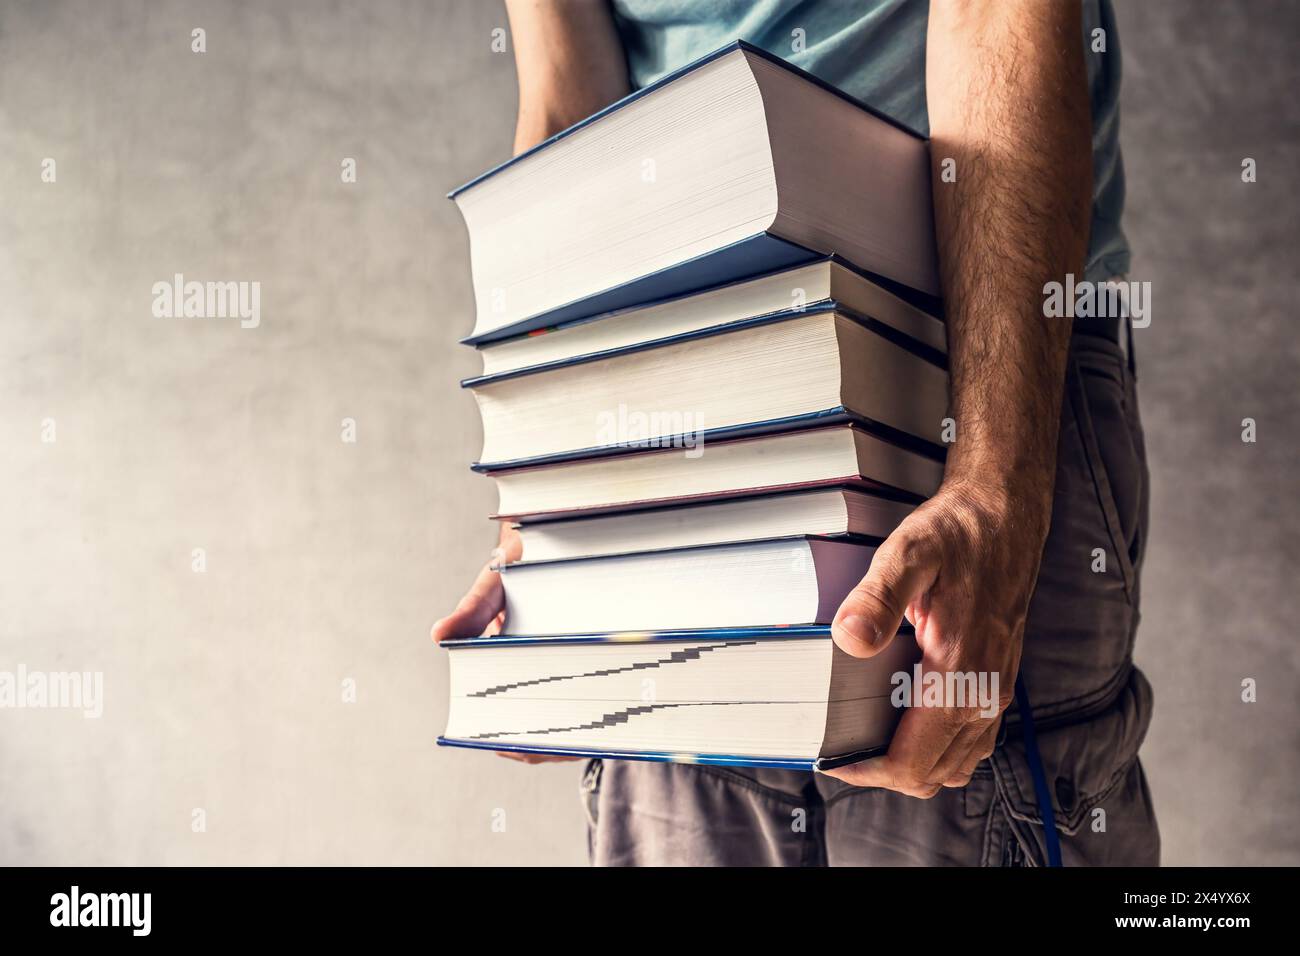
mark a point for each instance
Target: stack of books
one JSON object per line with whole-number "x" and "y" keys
{"x": 714, "y": 378}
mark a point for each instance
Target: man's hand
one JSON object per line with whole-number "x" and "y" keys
{"x": 483, "y": 611}
{"x": 961, "y": 568}
{"x": 483, "y": 608}
{"x": 1006, "y": 88}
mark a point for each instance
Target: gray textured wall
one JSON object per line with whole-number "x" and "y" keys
{"x": 327, "y": 561}
{"x": 1207, "y": 84}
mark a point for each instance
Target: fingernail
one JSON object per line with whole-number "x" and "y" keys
{"x": 862, "y": 630}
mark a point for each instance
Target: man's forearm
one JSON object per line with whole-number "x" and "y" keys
{"x": 1008, "y": 103}
{"x": 570, "y": 63}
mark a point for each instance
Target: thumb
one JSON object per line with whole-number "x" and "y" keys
{"x": 476, "y": 610}
{"x": 901, "y": 569}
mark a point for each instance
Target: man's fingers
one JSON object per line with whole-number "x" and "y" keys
{"x": 922, "y": 738}
{"x": 932, "y": 748}
{"x": 530, "y": 758}
{"x": 476, "y": 610}
{"x": 884, "y": 772}
{"x": 979, "y": 750}
{"x": 496, "y": 625}
{"x": 901, "y": 569}
{"x": 875, "y": 772}
{"x": 957, "y": 766}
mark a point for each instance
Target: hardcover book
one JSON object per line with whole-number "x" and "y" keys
{"x": 839, "y": 454}
{"x": 771, "y": 582}
{"x": 737, "y": 165}
{"x": 780, "y": 372}
{"x": 769, "y": 697}
{"x": 820, "y": 285}
{"x": 823, "y": 512}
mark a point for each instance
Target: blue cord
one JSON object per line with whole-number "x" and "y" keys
{"x": 1045, "y": 810}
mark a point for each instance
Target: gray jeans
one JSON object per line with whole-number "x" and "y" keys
{"x": 1091, "y": 707}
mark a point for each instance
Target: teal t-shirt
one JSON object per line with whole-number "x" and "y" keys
{"x": 874, "y": 50}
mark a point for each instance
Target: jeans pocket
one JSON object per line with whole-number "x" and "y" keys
{"x": 1084, "y": 763}
{"x": 1099, "y": 387}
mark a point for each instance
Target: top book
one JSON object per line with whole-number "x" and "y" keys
{"x": 734, "y": 166}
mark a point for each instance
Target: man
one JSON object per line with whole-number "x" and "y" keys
{"x": 1026, "y": 560}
